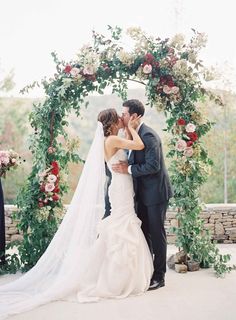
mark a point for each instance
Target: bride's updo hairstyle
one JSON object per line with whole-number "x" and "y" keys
{"x": 108, "y": 117}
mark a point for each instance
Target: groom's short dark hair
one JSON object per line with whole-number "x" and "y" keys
{"x": 135, "y": 106}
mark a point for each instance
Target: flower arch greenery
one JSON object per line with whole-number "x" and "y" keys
{"x": 174, "y": 79}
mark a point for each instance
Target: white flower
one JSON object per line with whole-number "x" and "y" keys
{"x": 190, "y": 127}
{"x": 181, "y": 145}
{"x": 67, "y": 81}
{"x": 13, "y": 160}
{"x": 74, "y": 72}
{"x": 166, "y": 89}
{"x": 175, "y": 90}
{"x": 181, "y": 68}
{"x": 188, "y": 152}
{"x": 147, "y": 68}
{"x": 49, "y": 187}
{"x": 51, "y": 178}
{"x": 134, "y": 32}
{"x": 192, "y": 57}
{"x": 125, "y": 57}
{"x": 177, "y": 41}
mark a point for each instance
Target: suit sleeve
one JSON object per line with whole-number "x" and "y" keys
{"x": 152, "y": 157}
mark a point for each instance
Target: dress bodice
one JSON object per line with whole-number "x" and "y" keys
{"x": 121, "y": 190}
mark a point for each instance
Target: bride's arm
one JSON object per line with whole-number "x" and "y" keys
{"x": 120, "y": 143}
{"x": 127, "y": 134}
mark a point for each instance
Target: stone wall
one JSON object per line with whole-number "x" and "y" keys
{"x": 220, "y": 219}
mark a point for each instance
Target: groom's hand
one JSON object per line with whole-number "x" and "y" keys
{"x": 121, "y": 167}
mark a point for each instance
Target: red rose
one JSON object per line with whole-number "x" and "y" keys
{"x": 42, "y": 188}
{"x": 67, "y": 69}
{"x": 181, "y": 122}
{"x": 56, "y": 190}
{"x": 51, "y": 150}
{"x": 192, "y": 135}
{"x": 189, "y": 143}
{"x": 55, "y": 171}
{"x": 55, "y": 197}
{"x": 55, "y": 164}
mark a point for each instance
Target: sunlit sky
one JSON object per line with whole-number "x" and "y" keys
{"x": 30, "y": 30}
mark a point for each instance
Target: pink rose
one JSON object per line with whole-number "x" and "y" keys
{"x": 190, "y": 127}
{"x": 167, "y": 89}
{"x": 51, "y": 178}
{"x": 147, "y": 68}
{"x": 49, "y": 187}
{"x": 51, "y": 150}
{"x": 181, "y": 145}
{"x": 74, "y": 72}
{"x": 89, "y": 70}
{"x": 4, "y": 157}
{"x": 188, "y": 152}
{"x": 174, "y": 90}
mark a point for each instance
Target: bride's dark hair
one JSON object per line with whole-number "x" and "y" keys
{"x": 108, "y": 117}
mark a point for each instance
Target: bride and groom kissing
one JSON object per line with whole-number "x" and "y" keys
{"x": 122, "y": 253}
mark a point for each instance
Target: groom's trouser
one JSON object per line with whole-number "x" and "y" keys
{"x": 153, "y": 219}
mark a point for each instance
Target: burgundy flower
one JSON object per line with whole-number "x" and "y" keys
{"x": 167, "y": 80}
{"x": 55, "y": 197}
{"x": 149, "y": 58}
{"x": 106, "y": 67}
{"x": 40, "y": 204}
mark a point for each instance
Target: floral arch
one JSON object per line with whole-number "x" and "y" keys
{"x": 173, "y": 77}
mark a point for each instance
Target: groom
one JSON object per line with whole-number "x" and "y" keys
{"x": 151, "y": 186}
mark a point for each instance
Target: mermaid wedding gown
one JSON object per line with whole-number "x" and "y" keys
{"x": 89, "y": 258}
{"x": 120, "y": 263}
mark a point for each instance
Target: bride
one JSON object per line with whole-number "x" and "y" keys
{"x": 91, "y": 258}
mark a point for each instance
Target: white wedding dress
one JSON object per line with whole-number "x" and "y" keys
{"x": 120, "y": 262}
{"x": 89, "y": 258}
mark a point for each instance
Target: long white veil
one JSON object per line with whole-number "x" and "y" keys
{"x": 58, "y": 271}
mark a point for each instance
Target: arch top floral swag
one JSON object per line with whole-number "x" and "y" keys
{"x": 174, "y": 78}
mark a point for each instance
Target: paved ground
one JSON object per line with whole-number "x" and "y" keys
{"x": 192, "y": 296}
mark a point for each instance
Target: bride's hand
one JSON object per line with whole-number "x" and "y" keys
{"x": 133, "y": 122}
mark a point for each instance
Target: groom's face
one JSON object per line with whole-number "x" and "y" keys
{"x": 125, "y": 116}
